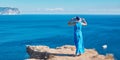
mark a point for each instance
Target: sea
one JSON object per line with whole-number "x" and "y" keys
{"x": 18, "y": 31}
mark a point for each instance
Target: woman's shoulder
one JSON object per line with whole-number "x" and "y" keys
{"x": 78, "y": 22}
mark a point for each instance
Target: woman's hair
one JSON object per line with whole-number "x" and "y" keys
{"x": 77, "y": 18}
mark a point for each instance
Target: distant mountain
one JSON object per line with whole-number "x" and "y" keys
{"x": 9, "y": 11}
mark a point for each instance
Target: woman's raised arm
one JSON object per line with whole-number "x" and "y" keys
{"x": 72, "y": 22}
{"x": 84, "y": 22}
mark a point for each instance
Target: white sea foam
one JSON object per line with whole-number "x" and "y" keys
{"x": 104, "y": 46}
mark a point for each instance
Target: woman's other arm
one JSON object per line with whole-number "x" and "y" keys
{"x": 84, "y": 22}
{"x": 71, "y": 22}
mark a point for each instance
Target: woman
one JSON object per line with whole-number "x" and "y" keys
{"x": 78, "y": 38}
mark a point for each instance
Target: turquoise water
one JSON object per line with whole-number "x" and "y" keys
{"x": 17, "y": 31}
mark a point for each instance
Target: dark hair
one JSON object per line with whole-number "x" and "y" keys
{"x": 78, "y": 18}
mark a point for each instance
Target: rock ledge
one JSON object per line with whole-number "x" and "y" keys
{"x": 63, "y": 53}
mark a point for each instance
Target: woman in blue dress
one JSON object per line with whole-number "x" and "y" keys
{"x": 78, "y": 38}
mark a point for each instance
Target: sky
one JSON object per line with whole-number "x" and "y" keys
{"x": 64, "y": 6}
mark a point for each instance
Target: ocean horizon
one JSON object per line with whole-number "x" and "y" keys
{"x": 17, "y": 31}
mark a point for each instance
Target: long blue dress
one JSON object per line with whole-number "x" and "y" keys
{"x": 78, "y": 38}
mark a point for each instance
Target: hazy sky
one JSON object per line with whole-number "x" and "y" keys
{"x": 64, "y": 6}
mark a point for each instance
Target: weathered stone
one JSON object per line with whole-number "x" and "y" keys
{"x": 63, "y": 53}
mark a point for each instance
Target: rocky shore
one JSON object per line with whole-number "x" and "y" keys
{"x": 9, "y": 11}
{"x": 63, "y": 53}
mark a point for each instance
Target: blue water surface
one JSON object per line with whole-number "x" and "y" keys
{"x": 17, "y": 31}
